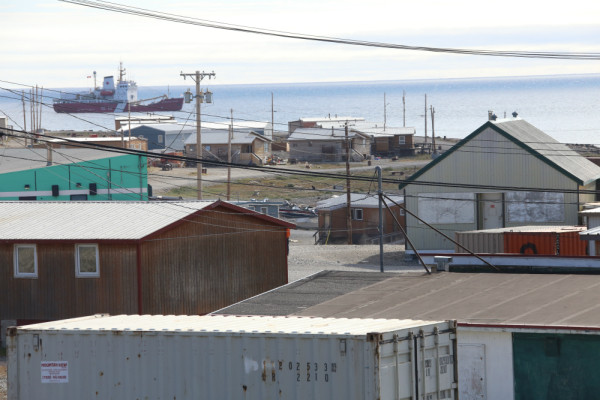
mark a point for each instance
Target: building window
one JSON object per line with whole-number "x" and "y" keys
{"x": 25, "y": 259}
{"x": 357, "y": 214}
{"x": 86, "y": 260}
{"x": 264, "y": 210}
{"x": 401, "y": 139}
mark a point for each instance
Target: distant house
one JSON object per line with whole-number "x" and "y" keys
{"x": 67, "y": 259}
{"x": 506, "y": 173}
{"x": 327, "y": 145}
{"x": 163, "y": 136}
{"x": 326, "y": 122}
{"x": 247, "y": 147}
{"x": 72, "y": 174}
{"x": 364, "y": 209}
{"x": 390, "y": 142}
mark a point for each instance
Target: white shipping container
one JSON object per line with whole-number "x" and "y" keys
{"x": 232, "y": 357}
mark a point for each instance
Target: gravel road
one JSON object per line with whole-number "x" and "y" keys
{"x": 306, "y": 258}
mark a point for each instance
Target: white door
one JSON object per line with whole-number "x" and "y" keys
{"x": 471, "y": 372}
{"x": 492, "y": 210}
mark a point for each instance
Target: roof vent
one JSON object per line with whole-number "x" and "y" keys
{"x": 515, "y": 114}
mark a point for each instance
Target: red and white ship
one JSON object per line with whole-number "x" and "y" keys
{"x": 111, "y": 99}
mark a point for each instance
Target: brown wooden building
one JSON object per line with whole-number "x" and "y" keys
{"x": 67, "y": 259}
{"x": 333, "y": 219}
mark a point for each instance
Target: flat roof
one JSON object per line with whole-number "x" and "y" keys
{"x": 557, "y": 301}
{"x": 223, "y": 324}
{"x": 12, "y": 160}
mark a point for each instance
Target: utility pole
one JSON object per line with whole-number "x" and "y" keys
{"x": 348, "y": 197}
{"x": 24, "y": 117}
{"x": 384, "y": 112}
{"x": 197, "y": 77}
{"x": 403, "y": 108}
{"x": 272, "y": 119}
{"x": 230, "y": 134}
{"x": 433, "y": 129}
{"x": 425, "y": 117}
{"x": 380, "y": 197}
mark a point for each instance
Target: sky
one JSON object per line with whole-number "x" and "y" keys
{"x": 56, "y": 44}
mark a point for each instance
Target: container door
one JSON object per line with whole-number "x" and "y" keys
{"x": 491, "y": 210}
{"x": 471, "y": 371}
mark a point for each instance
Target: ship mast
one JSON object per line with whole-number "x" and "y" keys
{"x": 121, "y": 72}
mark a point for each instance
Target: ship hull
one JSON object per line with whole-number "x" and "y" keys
{"x": 108, "y": 106}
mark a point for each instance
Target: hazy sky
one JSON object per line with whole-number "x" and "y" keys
{"x": 56, "y": 44}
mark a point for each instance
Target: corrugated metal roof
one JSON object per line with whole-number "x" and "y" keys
{"x": 532, "y": 229}
{"x": 534, "y": 141}
{"x": 558, "y": 153}
{"x": 477, "y": 298}
{"x": 12, "y": 160}
{"x": 550, "y": 300}
{"x": 109, "y": 220}
{"x": 321, "y": 134}
{"x": 221, "y": 137}
{"x": 356, "y": 200}
{"x": 228, "y": 324}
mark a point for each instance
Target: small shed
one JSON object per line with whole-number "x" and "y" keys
{"x": 364, "y": 209}
{"x": 68, "y": 259}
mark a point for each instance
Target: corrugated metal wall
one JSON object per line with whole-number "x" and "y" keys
{"x": 217, "y": 259}
{"x": 56, "y": 293}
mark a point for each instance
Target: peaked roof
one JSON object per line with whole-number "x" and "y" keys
{"x": 322, "y": 134}
{"x": 368, "y": 200}
{"x": 220, "y": 137}
{"x": 102, "y": 220}
{"x": 537, "y": 143}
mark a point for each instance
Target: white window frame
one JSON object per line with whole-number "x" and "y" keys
{"x": 356, "y": 213}
{"x": 19, "y": 274}
{"x": 78, "y": 272}
{"x": 401, "y": 139}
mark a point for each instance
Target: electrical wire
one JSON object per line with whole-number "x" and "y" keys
{"x": 142, "y": 12}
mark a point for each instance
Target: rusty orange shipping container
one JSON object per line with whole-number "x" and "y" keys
{"x": 550, "y": 242}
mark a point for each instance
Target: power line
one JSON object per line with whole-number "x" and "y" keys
{"x": 142, "y": 12}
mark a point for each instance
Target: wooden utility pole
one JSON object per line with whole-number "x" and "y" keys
{"x": 403, "y": 108}
{"x": 348, "y": 197}
{"x": 24, "y": 117}
{"x": 425, "y": 117}
{"x": 272, "y": 119}
{"x": 384, "y": 111}
{"x": 197, "y": 77}
{"x": 230, "y": 134}
{"x": 433, "y": 129}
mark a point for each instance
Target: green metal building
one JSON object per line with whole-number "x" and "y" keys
{"x": 72, "y": 174}
{"x": 506, "y": 173}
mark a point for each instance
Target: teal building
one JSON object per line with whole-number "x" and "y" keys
{"x": 72, "y": 174}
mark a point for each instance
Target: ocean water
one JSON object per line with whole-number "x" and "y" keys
{"x": 566, "y": 107}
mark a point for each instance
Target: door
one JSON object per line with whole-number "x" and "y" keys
{"x": 491, "y": 210}
{"x": 471, "y": 371}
